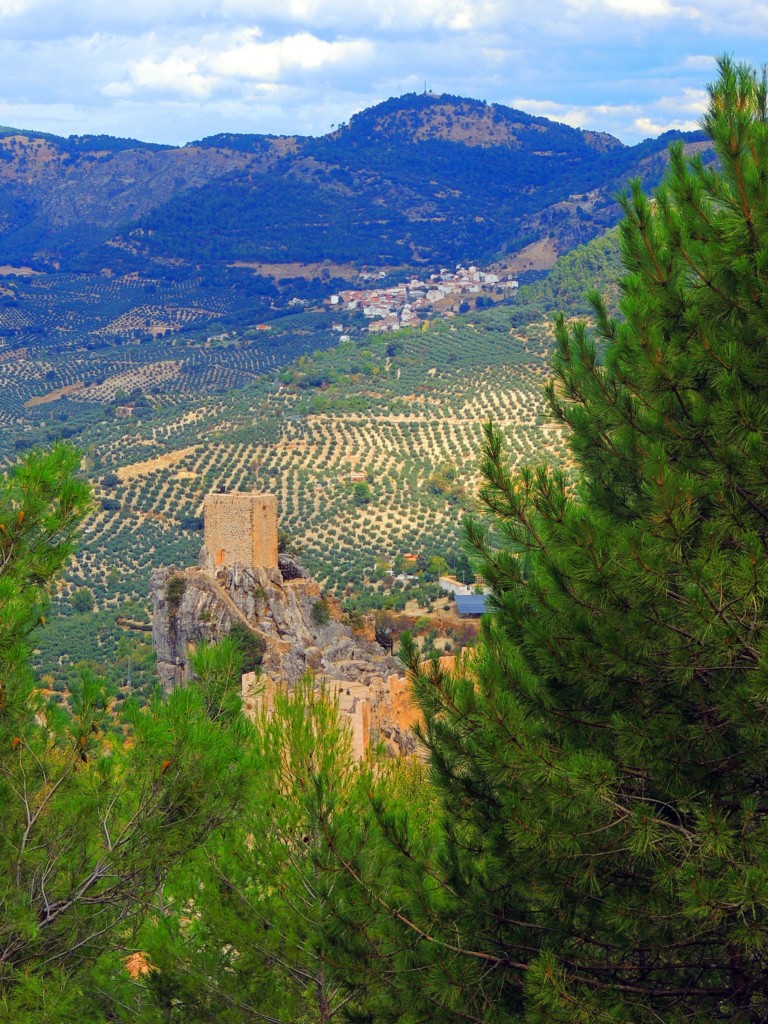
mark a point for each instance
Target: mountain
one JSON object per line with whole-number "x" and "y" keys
{"x": 420, "y": 179}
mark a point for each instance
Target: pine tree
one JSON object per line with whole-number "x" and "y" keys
{"x": 603, "y": 763}
{"x": 91, "y": 824}
{"x": 254, "y": 948}
{"x": 42, "y": 505}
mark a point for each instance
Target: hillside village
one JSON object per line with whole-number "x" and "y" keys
{"x": 444, "y": 293}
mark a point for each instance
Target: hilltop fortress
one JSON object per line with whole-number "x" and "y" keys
{"x": 242, "y": 579}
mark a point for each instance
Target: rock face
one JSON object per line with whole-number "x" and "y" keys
{"x": 192, "y": 605}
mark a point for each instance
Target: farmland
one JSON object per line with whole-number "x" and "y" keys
{"x": 408, "y": 431}
{"x": 370, "y": 444}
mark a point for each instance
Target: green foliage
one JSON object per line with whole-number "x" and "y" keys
{"x": 287, "y": 544}
{"x": 175, "y": 590}
{"x": 82, "y": 600}
{"x": 41, "y": 508}
{"x": 321, "y": 613}
{"x": 437, "y": 566}
{"x": 91, "y": 828}
{"x": 361, "y": 493}
{"x": 276, "y": 899}
{"x": 217, "y": 670}
{"x": 250, "y": 646}
{"x": 602, "y": 765}
{"x": 192, "y": 523}
{"x": 595, "y": 267}
{"x": 91, "y": 824}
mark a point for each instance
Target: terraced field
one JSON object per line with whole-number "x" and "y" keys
{"x": 172, "y": 370}
{"x": 377, "y": 461}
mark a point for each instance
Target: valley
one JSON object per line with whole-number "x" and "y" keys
{"x": 183, "y": 350}
{"x": 370, "y": 444}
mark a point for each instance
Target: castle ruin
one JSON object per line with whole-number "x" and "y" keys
{"x": 242, "y": 582}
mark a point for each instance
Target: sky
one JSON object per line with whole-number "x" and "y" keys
{"x": 174, "y": 71}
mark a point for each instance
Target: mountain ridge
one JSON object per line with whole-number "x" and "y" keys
{"x": 410, "y": 101}
{"x": 412, "y": 180}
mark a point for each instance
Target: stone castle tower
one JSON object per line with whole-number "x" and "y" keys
{"x": 240, "y": 528}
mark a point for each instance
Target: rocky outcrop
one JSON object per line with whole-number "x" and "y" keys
{"x": 193, "y": 605}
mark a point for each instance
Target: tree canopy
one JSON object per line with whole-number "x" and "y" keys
{"x": 99, "y": 802}
{"x": 603, "y": 762}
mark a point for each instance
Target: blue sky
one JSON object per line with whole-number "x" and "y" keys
{"x": 175, "y": 70}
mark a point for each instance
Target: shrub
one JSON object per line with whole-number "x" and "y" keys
{"x": 321, "y": 613}
{"x": 82, "y": 600}
{"x": 175, "y": 590}
{"x": 250, "y": 645}
{"x": 192, "y": 523}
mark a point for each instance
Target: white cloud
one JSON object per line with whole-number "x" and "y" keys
{"x": 394, "y": 15}
{"x": 646, "y": 127}
{"x": 690, "y": 101}
{"x": 116, "y": 90}
{"x": 248, "y": 58}
{"x": 496, "y": 56}
{"x": 168, "y": 69}
{"x": 58, "y": 118}
{"x": 221, "y": 62}
{"x": 700, "y": 62}
{"x": 15, "y": 8}
{"x": 628, "y": 121}
{"x": 641, "y": 8}
{"x": 626, "y": 8}
{"x": 173, "y": 74}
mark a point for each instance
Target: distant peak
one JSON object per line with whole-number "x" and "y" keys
{"x": 601, "y": 141}
{"x": 416, "y": 117}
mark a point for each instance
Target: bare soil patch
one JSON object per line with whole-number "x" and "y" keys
{"x": 53, "y": 396}
{"x": 539, "y": 255}
{"x": 137, "y": 469}
{"x": 6, "y": 270}
{"x": 142, "y": 376}
{"x": 305, "y": 270}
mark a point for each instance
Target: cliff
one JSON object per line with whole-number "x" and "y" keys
{"x": 280, "y": 607}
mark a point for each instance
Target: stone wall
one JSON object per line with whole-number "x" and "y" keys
{"x": 281, "y": 612}
{"x": 405, "y": 712}
{"x": 366, "y": 629}
{"x": 240, "y": 528}
{"x": 387, "y": 716}
{"x": 259, "y": 692}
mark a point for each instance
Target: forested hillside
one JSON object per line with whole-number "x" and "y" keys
{"x": 414, "y": 180}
